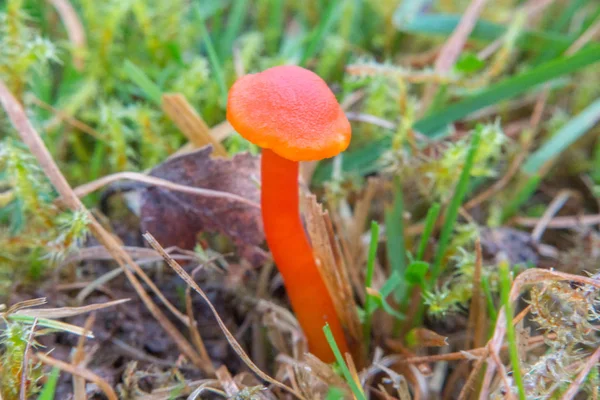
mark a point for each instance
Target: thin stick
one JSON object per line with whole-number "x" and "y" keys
{"x": 78, "y": 360}
{"x": 560, "y": 222}
{"x": 194, "y": 333}
{"x": 468, "y": 386}
{"x": 69, "y": 120}
{"x": 87, "y": 188}
{"x": 555, "y": 205}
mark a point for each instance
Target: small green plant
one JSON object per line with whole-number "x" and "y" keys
{"x": 36, "y": 233}
{"x": 14, "y": 338}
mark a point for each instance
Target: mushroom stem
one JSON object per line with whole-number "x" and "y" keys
{"x": 293, "y": 255}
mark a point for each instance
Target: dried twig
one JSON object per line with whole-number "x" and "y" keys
{"x": 552, "y": 209}
{"x": 90, "y": 187}
{"x": 470, "y": 383}
{"x": 560, "y": 222}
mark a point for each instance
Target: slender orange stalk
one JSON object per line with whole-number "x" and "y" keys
{"x": 293, "y": 255}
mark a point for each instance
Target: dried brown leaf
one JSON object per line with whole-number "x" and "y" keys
{"x": 176, "y": 218}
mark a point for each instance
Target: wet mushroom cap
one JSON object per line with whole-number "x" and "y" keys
{"x": 291, "y": 111}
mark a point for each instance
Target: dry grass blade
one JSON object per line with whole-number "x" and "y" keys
{"x": 138, "y": 253}
{"x": 35, "y": 144}
{"x": 560, "y": 222}
{"x": 470, "y": 383}
{"x": 75, "y": 123}
{"x": 81, "y": 372}
{"x": 190, "y": 123}
{"x": 333, "y": 270}
{"x": 65, "y": 312}
{"x": 90, "y": 187}
{"x": 74, "y": 28}
{"x": 477, "y": 311}
{"x": 454, "y": 45}
{"x": 79, "y": 360}
{"x": 194, "y": 333}
{"x": 230, "y": 338}
{"x": 26, "y": 304}
{"x": 552, "y": 209}
{"x": 25, "y": 363}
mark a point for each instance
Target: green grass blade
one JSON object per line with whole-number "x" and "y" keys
{"x": 452, "y": 211}
{"x": 235, "y": 22}
{"x": 335, "y": 393}
{"x": 369, "y": 281}
{"x": 210, "y": 8}
{"x": 394, "y": 228}
{"x": 432, "y": 215}
{"x": 489, "y": 299}
{"x": 560, "y": 24}
{"x": 356, "y": 390}
{"x": 505, "y": 284}
{"x": 149, "y": 89}
{"x": 213, "y": 58}
{"x": 275, "y": 28}
{"x": 445, "y": 24}
{"x": 565, "y": 136}
{"x": 49, "y": 388}
{"x": 315, "y": 40}
{"x": 507, "y": 89}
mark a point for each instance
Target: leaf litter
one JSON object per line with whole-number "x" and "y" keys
{"x": 176, "y": 219}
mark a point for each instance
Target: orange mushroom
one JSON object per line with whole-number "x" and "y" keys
{"x": 293, "y": 115}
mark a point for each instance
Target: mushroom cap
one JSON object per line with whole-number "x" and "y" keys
{"x": 291, "y": 111}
